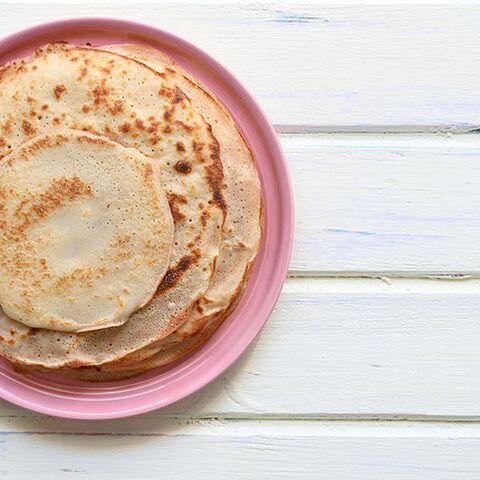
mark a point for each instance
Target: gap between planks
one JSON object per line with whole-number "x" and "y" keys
{"x": 169, "y": 426}
{"x": 441, "y": 130}
{"x": 20, "y": 414}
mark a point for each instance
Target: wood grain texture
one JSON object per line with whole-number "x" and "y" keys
{"x": 310, "y": 64}
{"x": 355, "y": 348}
{"x": 242, "y": 450}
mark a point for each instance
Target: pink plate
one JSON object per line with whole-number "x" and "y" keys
{"x": 54, "y": 395}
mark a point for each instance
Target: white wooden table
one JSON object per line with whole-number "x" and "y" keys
{"x": 369, "y": 367}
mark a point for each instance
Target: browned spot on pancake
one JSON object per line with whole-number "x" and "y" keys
{"x": 117, "y": 107}
{"x": 183, "y": 167}
{"x": 36, "y": 145}
{"x": 57, "y": 195}
{"x": 139, "y": 124}
{"x": 162, "y": 75}
{"x": 31, "y": 100}
{"x": 34, "y": 67}
{"x": 56, "y": 120}
{"x": 125, "y": 127}
{"x": 180, "y": 147}
{"x": 86, "y": 108}
{"x": 13, "y": 332}
{"x": 219, "y": 200}
{"x": 83, "y": 72}
{"x": 100, "y": 92}
{"x": 179, "y": 96}
{"x": 197, "y": 148}
{"x": 174, "y": 200}
{"x": 28, "y": 128}
{"x": 204, "y": 217}
{"x": 167, "y": 129}
{"x": 174, "y": 274}
{"x": 154, "y": 125}
{"x": 200, "y": 308}
{"x": 59, "y": 90}
{"x": 170, "y": 70}
{"x": 174, "y": 94}
{"x": 33, "y": 113}
{"x": 215, "y": 150}
{"x": 84, "y": 275}
{"x": 89, "y": 128}
{"x": 108, "y": 130}
{"x": 45, "y": 106}
{"x": 7, "y": 127}
{"x": 97, "y": 140}
{"x": 215, "y": 173}
{"x": 167, "y": 114}
{"x": 2, "y": 142}
{"x": 148, "y": 174}
{"x": 184, "y": 126}
{"x": 154, "y": 139}
{"x": 74, "y": 59}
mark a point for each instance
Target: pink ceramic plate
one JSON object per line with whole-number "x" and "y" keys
{"x": 54, "y": 395}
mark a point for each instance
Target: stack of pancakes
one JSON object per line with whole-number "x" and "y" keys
{"x": 130, "y": 211}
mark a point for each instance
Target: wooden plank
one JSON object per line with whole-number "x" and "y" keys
{"x": 241, "y": 450}
{"x": 354, "y": 348}
{"x": 320, "y": 65}
{"x": 401, "y": 204}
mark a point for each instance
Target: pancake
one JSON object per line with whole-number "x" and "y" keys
{"x": 242, "y": 229}
{"x": 241, "y": 233}
{"x": 86, "y": 232}
{"x": 128, "y": 102}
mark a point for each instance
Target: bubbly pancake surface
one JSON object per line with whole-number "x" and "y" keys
{"x": 86, "y": 232}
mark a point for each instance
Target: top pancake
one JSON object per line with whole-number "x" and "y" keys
{"x": 126, "y": 101}
{"x": 86, "y": 232}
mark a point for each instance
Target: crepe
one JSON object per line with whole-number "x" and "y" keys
{"x": 242, "y": 229}
{"x": 128, "y": 102}
{"x": 86, "y": 232}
